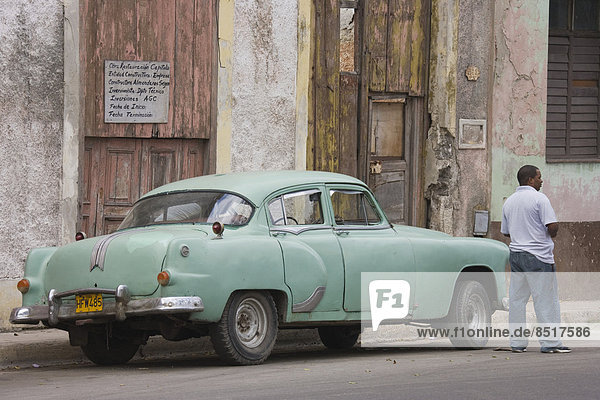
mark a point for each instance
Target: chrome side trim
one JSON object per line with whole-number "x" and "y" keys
{"x": 298, "y": 229}
{"x": 361, "y": 227}
{"x": 119, "y": 309}
{"x": 311, "y": 303}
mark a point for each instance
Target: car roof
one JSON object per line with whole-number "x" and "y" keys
{"x": 255, "y": 186}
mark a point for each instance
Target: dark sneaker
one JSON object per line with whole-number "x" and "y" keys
{"x": 518, "y": 349}
{"x": 561, "y": 349}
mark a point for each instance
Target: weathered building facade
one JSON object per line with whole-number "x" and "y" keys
{"x": 435, "y": 104}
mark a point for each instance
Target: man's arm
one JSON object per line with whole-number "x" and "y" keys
{"x": 552, "y": 229}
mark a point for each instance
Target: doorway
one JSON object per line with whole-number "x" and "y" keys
{"x": 123, "y": 160}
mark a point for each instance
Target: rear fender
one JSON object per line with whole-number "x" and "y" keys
{"x": 35, "y": 269}
{"x": 214, "y": 269}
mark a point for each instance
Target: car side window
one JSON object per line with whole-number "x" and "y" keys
{"x": 352, "y": 207}
{"x": 297, "y": 208}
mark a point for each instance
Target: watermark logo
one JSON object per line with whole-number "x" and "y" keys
{"x": 389, "y": 300}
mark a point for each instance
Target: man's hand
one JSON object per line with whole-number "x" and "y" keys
{"x": 552, "y": 229}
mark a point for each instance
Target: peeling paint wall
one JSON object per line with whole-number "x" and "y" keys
{"x": 440, "y": 167}
{"x": 31, "y": 128}
{"x": 474, "y": 171}
{"x": 519, "y": 135}
{"x": 507, "y": 41}
{"x": 264, "y": 63}
{"x": 519, "y": 116}
{"x": 519, "y": 93}
{"x": 456, "y": 180}
{"x": 31, "y": 132}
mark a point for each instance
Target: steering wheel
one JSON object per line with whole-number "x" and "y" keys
{"x": 294, "y": 220}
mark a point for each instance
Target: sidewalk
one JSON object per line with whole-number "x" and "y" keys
{"x": 45, "y": 347}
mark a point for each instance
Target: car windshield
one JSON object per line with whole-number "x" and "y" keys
{"x": 189, "y": 207}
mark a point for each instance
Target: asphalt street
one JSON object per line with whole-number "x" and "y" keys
{"x": 40, "y": 364}
{"x": 313, "y": 372}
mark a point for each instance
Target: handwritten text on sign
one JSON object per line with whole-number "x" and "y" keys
{"x": 136, "y": 91}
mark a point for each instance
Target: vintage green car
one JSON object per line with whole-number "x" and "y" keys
{"x": 238, "y": 256}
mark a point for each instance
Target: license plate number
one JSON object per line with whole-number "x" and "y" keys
{"x": 88, "y": 302}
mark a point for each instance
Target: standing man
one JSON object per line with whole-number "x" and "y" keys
{"x": 530, "y": 222}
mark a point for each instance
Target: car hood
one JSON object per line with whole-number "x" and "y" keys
{"x": 415, "y": 232}
{"x": 131, "y": 257}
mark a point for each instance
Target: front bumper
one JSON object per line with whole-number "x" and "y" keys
{"x": 122, "y": 308}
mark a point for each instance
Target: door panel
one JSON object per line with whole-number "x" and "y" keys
{"x": 370, "y": 250}
{"x": 161, "y": 162}
{"x": 86, "y": 189}
{"x": 121, "y": 183}
{"x": 389, "y": 188}
{"x": 311, "y": 254}
{"x": 348, "y": 124}
{"x": 368, "y": 244}
{"x": 396, "y": 41}
{"x": 389, "y": 158}
{"x": 313, "y": 259}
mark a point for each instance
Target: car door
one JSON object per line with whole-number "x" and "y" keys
{"x": 312, "y": 257}
{"x": 369, "y": 244}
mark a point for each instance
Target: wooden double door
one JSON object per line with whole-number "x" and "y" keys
{"x": 117, "y": 171}
{"x": 122, "y": 161}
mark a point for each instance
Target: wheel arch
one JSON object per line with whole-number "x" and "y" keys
{"x": 279, "y": 297}
{"x": 482, "y": 274}
{"x": 281, "y": 302}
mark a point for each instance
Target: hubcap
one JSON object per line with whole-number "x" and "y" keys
{"x": 475, "y": 312}
{"x": 251, "y": 322}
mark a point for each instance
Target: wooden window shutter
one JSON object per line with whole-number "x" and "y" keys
{"x": 572, "y": 127}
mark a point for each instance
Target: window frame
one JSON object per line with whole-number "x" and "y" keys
{"x": 383, "y": 221}
{"x": 297, "y": 229}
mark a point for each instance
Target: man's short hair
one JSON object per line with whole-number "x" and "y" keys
{"x": 526, "y": 172}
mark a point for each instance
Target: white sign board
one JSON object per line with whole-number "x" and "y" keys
{"x": 136, "y": 91}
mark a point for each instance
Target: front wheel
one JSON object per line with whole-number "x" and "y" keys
{"x": 112, "y": 350}
{"x": 471, "y": 314}
{"x": 339, "y": 337}
{"x": 247, "y": 331}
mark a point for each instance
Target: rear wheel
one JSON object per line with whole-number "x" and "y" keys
{"x": 339, "y": 337}
{"x": 470, "y": 312}
{"x": 109, "y": 351}
{"x": 247, "y": 331}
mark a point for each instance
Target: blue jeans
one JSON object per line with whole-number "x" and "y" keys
{"x": 532, "y": 277}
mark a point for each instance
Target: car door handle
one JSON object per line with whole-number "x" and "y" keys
{"x": 340, "y": 233}
{"x": 276, "y": 234}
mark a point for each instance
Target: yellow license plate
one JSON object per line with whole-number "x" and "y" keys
{"x": 88, "y": 302}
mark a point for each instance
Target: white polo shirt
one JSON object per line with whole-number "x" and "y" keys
{"x": 525, "y": 215}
